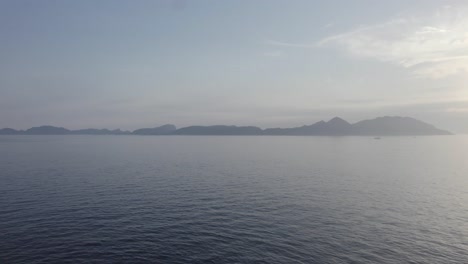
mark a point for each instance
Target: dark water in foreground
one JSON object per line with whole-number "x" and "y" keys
{"x": 130, "y": 199}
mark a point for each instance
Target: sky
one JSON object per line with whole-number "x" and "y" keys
{"x": 270, "y": 63}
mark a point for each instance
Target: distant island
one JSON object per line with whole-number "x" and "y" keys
{"x": 381, "y": 126}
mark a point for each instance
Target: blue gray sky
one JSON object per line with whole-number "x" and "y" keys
{"x": 271, "y": 63}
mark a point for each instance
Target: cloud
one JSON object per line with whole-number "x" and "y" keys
{"x": 433, "y": 46}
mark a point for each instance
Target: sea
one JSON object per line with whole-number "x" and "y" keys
{"x": 233, "y": 199}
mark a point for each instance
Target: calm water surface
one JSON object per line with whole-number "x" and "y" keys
{"x": 175, "y": 199}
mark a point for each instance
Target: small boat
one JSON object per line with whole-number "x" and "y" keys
{"x": 377, "y": 138}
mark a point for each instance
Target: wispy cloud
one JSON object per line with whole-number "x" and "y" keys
{"x": 432, "y": 45}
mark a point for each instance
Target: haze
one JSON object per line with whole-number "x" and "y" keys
{"x": 132, "y": 64}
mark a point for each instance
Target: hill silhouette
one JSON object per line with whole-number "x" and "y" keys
{"x": 334, "y": 127}
{"x": 94, "y": 131}
{"x": 162, "y": 130}
{"x": 219, "y": 130}
{"x": 395, "y": 126}
{"x": 380, "y": 126}
{"x": 10, "y": 131}
{"x": 47, "y": 130}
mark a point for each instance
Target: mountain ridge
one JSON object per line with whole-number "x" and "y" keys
{"x": 380, "y": 126}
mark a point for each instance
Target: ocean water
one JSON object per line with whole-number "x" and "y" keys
{"x": 228, "y": 199}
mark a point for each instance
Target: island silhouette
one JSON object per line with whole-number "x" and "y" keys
{"x": 380, "y": 126}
